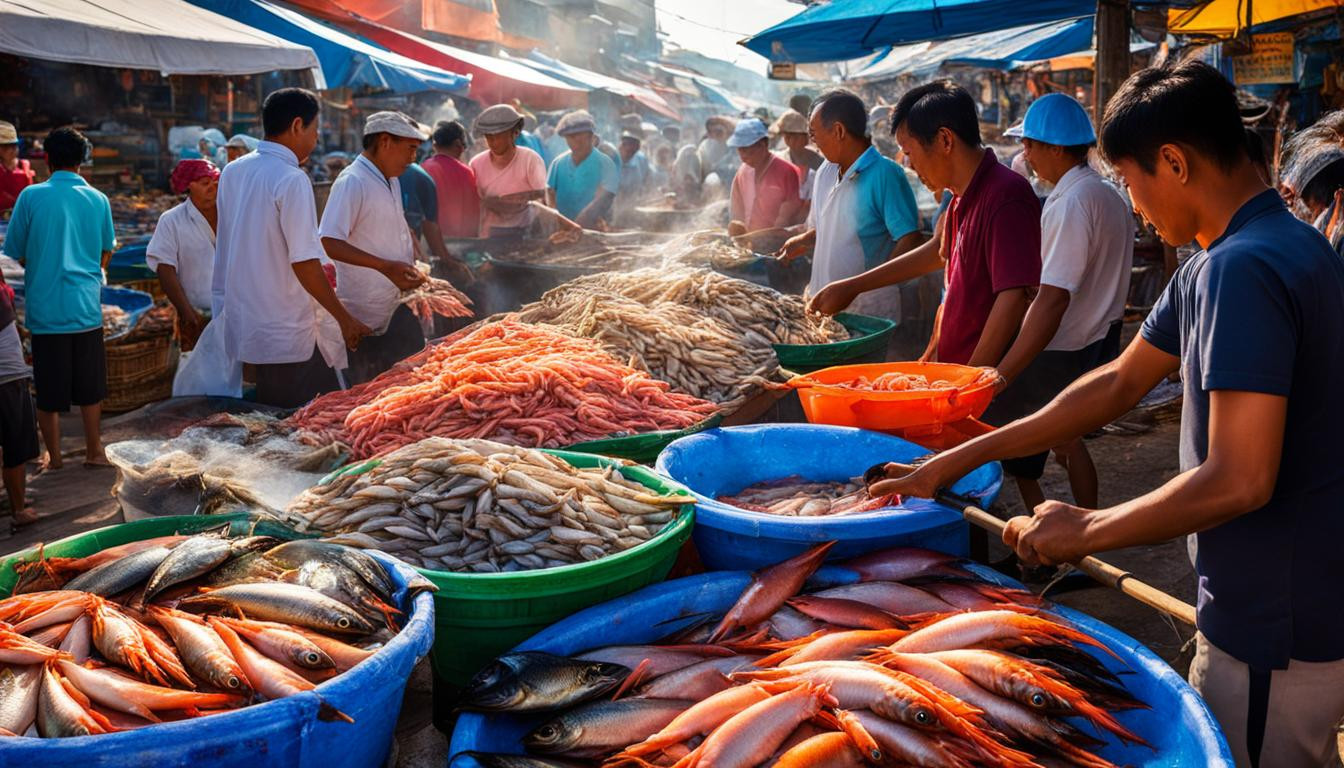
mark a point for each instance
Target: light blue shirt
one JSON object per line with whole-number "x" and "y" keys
{"x": 59, "y": 231}
{"x": 576, "y": 185}
{"x": 635, "y": 173}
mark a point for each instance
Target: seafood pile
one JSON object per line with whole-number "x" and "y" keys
{"x": 508, "y": 381}
{"x": 796, "y": 496}
{"x": 436, "y": 297}
{"x": 917, "y": 663}
{"x": 485, "y": 507}
{"x": 134, "y": 216}
{"x": 179, "y": 627}
{"x": 707, "y": 249}
{"x": 622, "y": 258}
{"x": 706, "y": 334}
{"x": 115, "y": 321}
{"x": 895, "y": 381}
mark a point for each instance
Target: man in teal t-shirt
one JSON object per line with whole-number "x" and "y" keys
{"x": 61, "y": 231}
{"x": 582, "y": 183}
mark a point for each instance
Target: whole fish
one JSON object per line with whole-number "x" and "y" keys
{"x": 282, "y": 645}
{"x": 120, "y": 575}
{"x": 192, "y": 558}
{"x": 533, "y": 681}
{"x": 285, "y": 603}
{"x": 600, "y": 727}
{"x": 133, "y": 697}
{"x": 769, "y": 588}
{"x": 338, "y": 582}
{"x": 18, "y": 649}
{"x": 63, "y": 711}
{"x": 202, "y": 650}
{"x": 294, "y": 554}
{"x": 269, "y": 678}
{"x": 19, "y": 689}
{"x": 752, "y": 735}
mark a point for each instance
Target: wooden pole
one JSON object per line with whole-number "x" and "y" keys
{"x": 1112, "y": 65}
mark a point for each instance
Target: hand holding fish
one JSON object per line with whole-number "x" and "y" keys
{"x": 833, "y": 299}
{"x": 921, "y": 481}
{"x": 1057, "y": 533}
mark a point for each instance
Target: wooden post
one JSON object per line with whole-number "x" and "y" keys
{"x": 1112, "y": 65}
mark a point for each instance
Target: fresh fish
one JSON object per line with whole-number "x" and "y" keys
{"x": 192, "y": 558}
{"x": 282, "y": 645}
{"x": 119, "y": 639}
{"x": 294, "y": 554}
{"x": 845, "y": 613}
{"x": 204, "y": 654}
{"x": 532, "y": 681}
{"x": 120, "y": 575}
{"x": 338, "y": 582}
{"x": 698, "y": 681}
{"x": 133, "y": 697}
{"x": 600, "y": 727}
{"x": 902, "y": 563}
{"x": 769, "y": 589}
{"x": 285, "y": 603}
{"x": 994, "y": 629}
{"x": 700, "y": 719}
{"x": 269, "y": 678}
{"x": 248, "y": 568}
{"x": 752, "y": 735}
{"x": 18, "y": 649}
{"x": 826, "y": 750}
{"x": 78, "y": 641}
{"x": 63, "y": 711}
{"x": 19, "y": 689}
{"x": 896, "y": 599}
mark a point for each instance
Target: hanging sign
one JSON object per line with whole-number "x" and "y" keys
{"x": 1270, "y": 60}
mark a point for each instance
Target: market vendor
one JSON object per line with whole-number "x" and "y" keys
{"x": 508, "y": 176}
{"x": 1253, "y": 324}
{"x": 15, "y": 174}
{"x": 582, "y": 182}
{"x": 765, "y": 188}
{"x": 991, "y": 235}
{"x": 1087, "y": 251}
{"x": 61, "y": 232}
{"x": 791, "y": 127}
{"x": 364, "y": 232}
{"x": 238, "y": 145}
{"x": 279, "y": 311}
{"x": 454, "y": 181}
{"x": 864, "y": 211}
{"x": 182, "y": 250}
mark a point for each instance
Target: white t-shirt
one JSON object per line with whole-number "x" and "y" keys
{"x": 1087, "y": 248}
{"x": 184, "y": 241}
{"x": 267, "y": 223}
{"x": 365, "y": 210}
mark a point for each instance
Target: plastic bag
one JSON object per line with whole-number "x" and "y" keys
{"x": 208, "y": 369}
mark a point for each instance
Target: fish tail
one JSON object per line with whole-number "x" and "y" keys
{"x": 1043, "y": 629}
{"x": 1082, "y": 757}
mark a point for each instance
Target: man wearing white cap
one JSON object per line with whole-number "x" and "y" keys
{"x": 239, "y": 144}
{"x": 1087, "y": 250}
{"x": 364, "y": 231}
{"x": 582, "y": 182}
{"x": 765, "y": 188}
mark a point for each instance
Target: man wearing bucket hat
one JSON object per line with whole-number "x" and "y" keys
{"x": 1087, "y": 250}
{"x": 15, "y": 174}
{"x": 365, "y": 233}
{"x": 508, "y": 176}
{"x": 582, "y": 182}
{"x": 765, "y": 188}
{"x": 182, "y": 250}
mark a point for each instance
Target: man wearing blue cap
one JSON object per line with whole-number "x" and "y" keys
{"x": 765, "y": 187}
{"x": 1087, "y": 249}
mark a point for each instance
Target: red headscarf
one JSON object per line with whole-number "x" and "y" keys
{"x": 188, "y": 171}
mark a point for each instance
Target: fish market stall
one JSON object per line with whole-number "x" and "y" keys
{"x": 325, "y": 669}
{"x": 789, "y": 512}
{"x": 995, "y": 677}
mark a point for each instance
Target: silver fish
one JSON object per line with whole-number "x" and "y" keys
{"x": 194, "y": 557}
{"x": 533, "y": 681}
{"x": 121, "y": 574}
{"x": 288, "y": 603}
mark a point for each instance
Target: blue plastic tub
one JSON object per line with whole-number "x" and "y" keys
{"x": 285, "y": 733}
{"x": 1179, "y": 726}
{"x": 134, "y": 303}
{"x": 724, "y": 461}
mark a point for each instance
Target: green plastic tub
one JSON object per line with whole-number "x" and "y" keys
{"x": 481, "y": 615}
{"x": 644, "y": 447}
{"x": 868, "y": 336}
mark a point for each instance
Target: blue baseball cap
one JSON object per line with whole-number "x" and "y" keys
{"x": 1058, "y": 119}
{"x": 748, "y": 132}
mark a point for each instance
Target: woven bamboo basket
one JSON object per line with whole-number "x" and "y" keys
{"x": 139, "y": 372}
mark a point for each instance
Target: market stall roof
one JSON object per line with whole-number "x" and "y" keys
{"x": 596, "y": 81}
{"x": 170, "y": 36}
{"x": 837, "y": 31}
{"x": 1228, "y": 18}
{"x": 493, "y": 80}
{"x": 1002, "y": 49}
{"x": 347, "y": 61}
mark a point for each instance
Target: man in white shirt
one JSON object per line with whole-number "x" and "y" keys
{"x": 364, "y": 231}
{"x": 1087, "y": 251}
{"x": 182, "y": 250}
{"x": 270, "y": 287}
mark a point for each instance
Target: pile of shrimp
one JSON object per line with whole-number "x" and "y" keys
{"x": 909, "y": 660}
{"x": 512, "y": 382}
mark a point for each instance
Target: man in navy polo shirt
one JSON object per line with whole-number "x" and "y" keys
{"x": 1255, "y": 324}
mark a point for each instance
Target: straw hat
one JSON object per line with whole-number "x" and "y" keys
{"x": 791, "y": 121}
{"x": 7, "y": 133}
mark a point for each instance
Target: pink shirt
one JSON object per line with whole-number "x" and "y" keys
{"x": 525, "y": 173}
{"x": 459, "y": 201}
{"x": 758, "y": 204}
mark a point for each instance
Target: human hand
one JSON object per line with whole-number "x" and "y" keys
{"x": 793, "y": 248}
{"x": 405, "y": 276}
{"x": 189, "y": 327}
{"x": 1055, "y": 534}
{"x": 352, "y": 331}
{"x": 832, "y": 299}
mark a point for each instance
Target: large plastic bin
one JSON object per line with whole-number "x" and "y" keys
{"x": 724, "y": 461}
{"x": 285, "y": 733}
{"x": 1179, "y": 726}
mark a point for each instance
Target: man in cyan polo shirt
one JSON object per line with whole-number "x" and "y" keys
{"x": 582, "y": 182}
{"x": 1255, "y": 326}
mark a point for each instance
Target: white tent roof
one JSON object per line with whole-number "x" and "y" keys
{"x": 170, "y": 36}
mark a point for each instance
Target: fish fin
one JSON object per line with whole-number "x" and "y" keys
{"x": 635, "y": 677}
{"x": 328, "y": 713}
{"x": 701, "y": 648}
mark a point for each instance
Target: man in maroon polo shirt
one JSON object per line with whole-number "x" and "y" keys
{"x": 989, "y": 242}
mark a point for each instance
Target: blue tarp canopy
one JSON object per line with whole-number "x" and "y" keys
{"x": 850, "y": 29}
{"x": 347, "y": 61}
{"x": 1003, "y": 49}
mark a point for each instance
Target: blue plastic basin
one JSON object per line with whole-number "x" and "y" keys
{"x": 284, "y": 733}
{"x": 1179, "y": 726}
{"x": 724, "y": 461}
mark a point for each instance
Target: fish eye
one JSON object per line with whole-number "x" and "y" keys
{"x": 1037, "y": 700}
{"x": 923, "y": 717}
{"x": 546, "y": 732}
{"x": 312, "y": 658}
{"x": 234, "y": 682}
{"x": 343, "y": 623}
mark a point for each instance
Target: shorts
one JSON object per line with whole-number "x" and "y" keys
{"x": 69, "y": 368}
{"x": 290, "y": 385}
{"x": 18, "y": 423}
{"x": 1049, "y": 374}
{"x": 376, "y": 354}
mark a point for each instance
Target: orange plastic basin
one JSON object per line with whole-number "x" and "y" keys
{"x": 925, "y": 410}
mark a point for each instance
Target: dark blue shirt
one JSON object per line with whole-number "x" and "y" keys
{"x": 419, "y": 198}
{"x": 1262, "y": 310}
